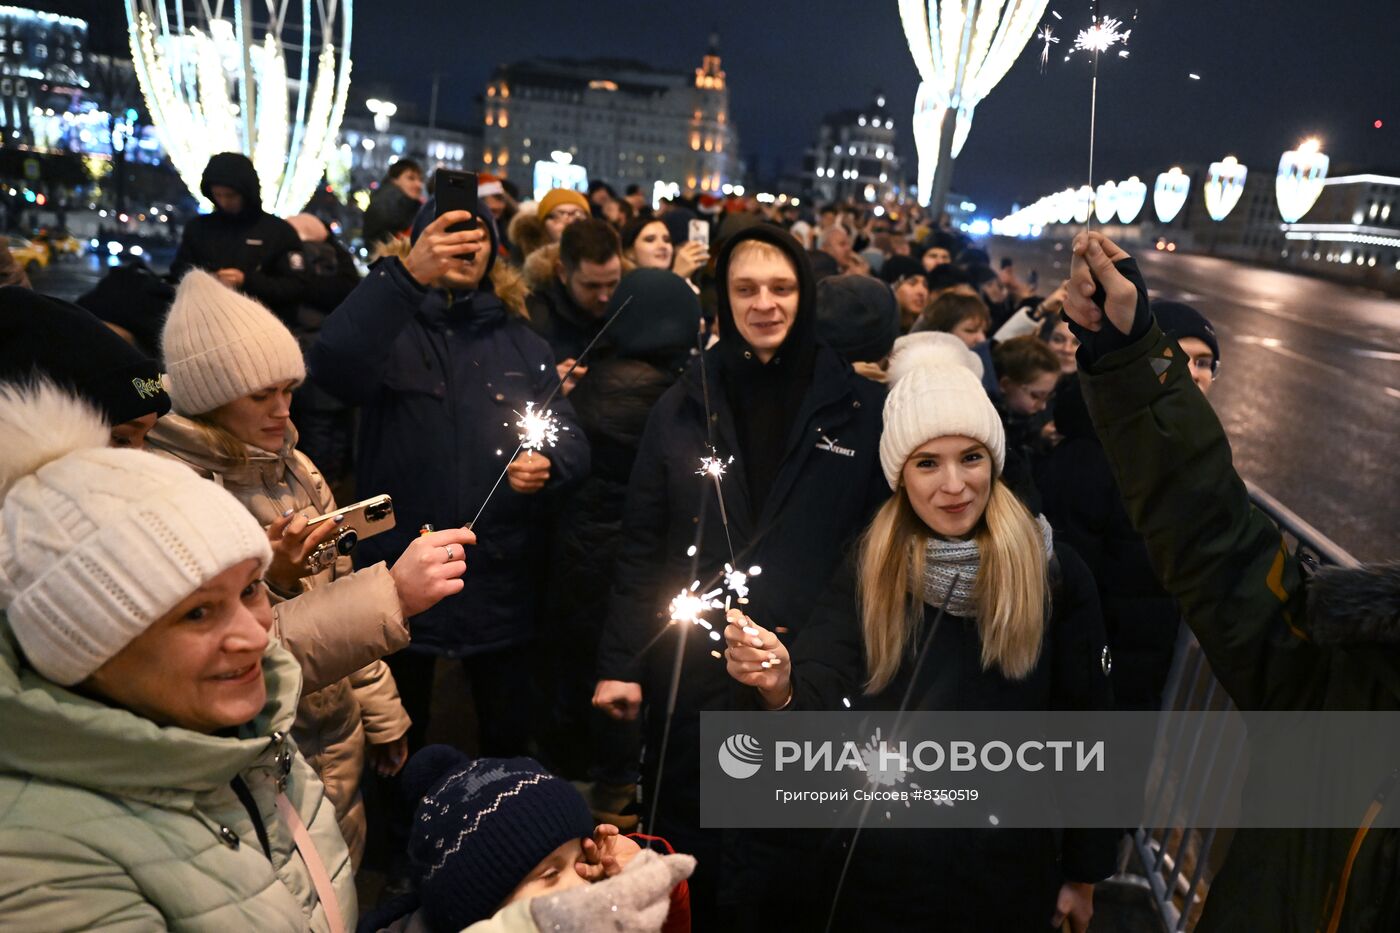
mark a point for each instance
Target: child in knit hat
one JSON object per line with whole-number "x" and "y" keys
{"x": 503, "y": 838}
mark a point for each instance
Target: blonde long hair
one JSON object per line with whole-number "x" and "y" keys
{"x": 1012, "y": 589}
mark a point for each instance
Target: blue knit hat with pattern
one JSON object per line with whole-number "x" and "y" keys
{"x": 480, "y": 830}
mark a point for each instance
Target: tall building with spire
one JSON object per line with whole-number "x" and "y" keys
{"x": 624, "y": 121}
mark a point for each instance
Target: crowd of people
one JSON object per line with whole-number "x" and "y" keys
{"x": 964, "y": 491}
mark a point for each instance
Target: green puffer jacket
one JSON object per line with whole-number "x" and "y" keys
{"x": 1276, "y": 639}
{"x": 109, "y": 822}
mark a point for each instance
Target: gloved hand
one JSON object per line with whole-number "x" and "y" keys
{"x": 635, "y": 901}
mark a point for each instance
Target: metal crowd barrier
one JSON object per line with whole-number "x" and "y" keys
{"x": 1177, "y": 861}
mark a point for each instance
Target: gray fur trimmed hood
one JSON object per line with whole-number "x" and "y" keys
{"x": 1355, "y": 606}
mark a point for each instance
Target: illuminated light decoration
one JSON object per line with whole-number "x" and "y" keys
{"x": 1132, "y": 195}
{"x": 213, "y": 85}
{"x": 1083, "y": 201}
{"x": 962, "y": 49}
{"x": 1224, "y": 186}
{"x": 1169, "y": 194}
{"x": 1106, "y": 201}
{"x": 1302, "y": 174}
{"x": 1064, "y": 206}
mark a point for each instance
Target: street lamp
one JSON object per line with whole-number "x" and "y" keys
{"x": 1224, "y": 185}
{"x": 382, "y": 110}
{"x": 1169, "y": 195}
{"x": 213, "y": 85}
{"x": 1301, "y": 174}
{"x": 962, "y": 49}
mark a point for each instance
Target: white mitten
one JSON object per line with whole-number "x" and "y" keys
{"x": 634, "y": 901}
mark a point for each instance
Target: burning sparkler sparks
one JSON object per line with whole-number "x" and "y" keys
{"x": 1046, "y": 35}
{"x": 690, "y": 605}
{"x": 713, "y": 465}
{"x": 1101, "y": 36}
{"x": 737, "y": 582}
{"x": 538, "y": 429}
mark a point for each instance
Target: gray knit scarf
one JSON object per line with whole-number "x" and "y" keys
{"x": 944, "y": 560}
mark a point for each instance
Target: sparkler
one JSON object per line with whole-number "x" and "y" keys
{"x": 713, "y": 465}
{"x": 1046, "y": 35}
{"x": 1102, "y": 34}
{"x": 538, "y": 429}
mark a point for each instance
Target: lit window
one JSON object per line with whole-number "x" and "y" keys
{"x": 488, "y": 158}
{"x": 505, "y": 157}
{"x": 490, "y": 118}
{"x": 505, "y": 119}
{"x": 491, "y": 90}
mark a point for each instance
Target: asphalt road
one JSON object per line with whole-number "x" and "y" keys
{"x": 1309, "y": 385}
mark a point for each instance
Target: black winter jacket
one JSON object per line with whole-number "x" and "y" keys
{"x": 828, "y": 486}
{"x": 1083, "y": 505}
{"x": 993, "y": 879}
{"x": 565, "y": 326}
{"x": 264, "y": 248}
{"x": 440, "y": 382}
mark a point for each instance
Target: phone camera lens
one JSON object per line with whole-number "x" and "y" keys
{"x": 347, "y": 541}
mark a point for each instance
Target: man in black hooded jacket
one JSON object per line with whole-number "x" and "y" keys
{"x": 804, "y": 432}
{"x": 245, "y": 246}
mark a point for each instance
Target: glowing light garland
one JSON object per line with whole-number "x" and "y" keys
{"x": 1106, "y": 201}
{"x": 1224, "y": 185}
{"x": 1169, "y": 194}
{"x": 962, "y": 50}
{"x": 1302, "y": 174}
{"x": 1132, "y": 195}
{"x": 212, "y": 85}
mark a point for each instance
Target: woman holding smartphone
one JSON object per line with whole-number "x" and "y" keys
{"x": 232, "y": 367}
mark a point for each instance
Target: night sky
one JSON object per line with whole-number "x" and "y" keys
{"x": 1267, "y": 78}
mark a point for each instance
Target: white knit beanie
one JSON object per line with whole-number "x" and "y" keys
{"x": 98, "y": 543}
{"x": 936, "y": 391}
{"x": 220, "y": 345}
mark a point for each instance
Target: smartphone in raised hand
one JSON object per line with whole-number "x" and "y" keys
{"x": 699, "y": 232}
{"x": 456, "y": 191}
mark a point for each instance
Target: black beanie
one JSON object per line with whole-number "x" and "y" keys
{"x": 44, "y": 337}
{"x": 897, "y": 267}
{"x": 481, "y": 828}
{"x": 947, "y": 276}
{"x": 857, "y": 316}
{"x": 1181, "y": 320}
{"x": 136, "y": 300}
{"x": 663, "y": 317}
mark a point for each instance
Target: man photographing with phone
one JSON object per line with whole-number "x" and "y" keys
{"x": 441, "y": 368}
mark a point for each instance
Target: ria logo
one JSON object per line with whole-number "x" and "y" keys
{"x": 740, "y": 756}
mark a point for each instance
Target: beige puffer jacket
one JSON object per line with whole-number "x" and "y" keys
{"x": 334, "y": 721}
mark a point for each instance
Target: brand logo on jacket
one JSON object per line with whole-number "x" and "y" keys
{"x": 832, "y": 445}
{"x": 147, "y": 388}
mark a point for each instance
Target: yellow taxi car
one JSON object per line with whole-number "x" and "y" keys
{"x": 60, "y": 243}
{"x": 31, "y": 256}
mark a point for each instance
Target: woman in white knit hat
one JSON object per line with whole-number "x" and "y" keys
{"x": 147, "y": 779}
{"x": 1022, "y": 631}
{"x": 231, "y": 368}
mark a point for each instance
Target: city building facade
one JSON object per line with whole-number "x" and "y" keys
{"x": 854, "y": 157}
{"x": 41, "y": 55}
{"x": 625, "y": 122}
{"x": 364, "y": 152}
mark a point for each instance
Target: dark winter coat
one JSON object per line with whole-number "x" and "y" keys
{"x": 1083, "y": 505}
{"x": 565, "y": 326}
{"x": 390, "y": 214}
{"x": 656, "y": 340}
{"x": 1275, "y": 638}
{"x": 440, "y": 379}
{"x": 827, "y": 485}
{"x": 264, "y": 248}
{"x": 995, "y": 880}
